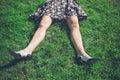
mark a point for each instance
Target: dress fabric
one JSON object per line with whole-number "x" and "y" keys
{"x": 60, "y": 9}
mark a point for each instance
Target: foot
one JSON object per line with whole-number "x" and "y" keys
{"x": 21, "y": 54}
{"x": 93, "y": 60}
{"x": 82, "y": 59}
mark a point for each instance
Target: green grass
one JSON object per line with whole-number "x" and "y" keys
{"x": 54, "y": 57}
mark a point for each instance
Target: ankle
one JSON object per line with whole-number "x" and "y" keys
{"x": 84, "y": 54}
{"x": 28, "y": 51}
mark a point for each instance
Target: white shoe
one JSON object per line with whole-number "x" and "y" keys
{"x": 23, "y": 53}
{"x": 20, "y": 54}
{"x": 81, "y": 59}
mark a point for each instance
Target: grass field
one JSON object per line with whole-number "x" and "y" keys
{"x": 54, "y": 57}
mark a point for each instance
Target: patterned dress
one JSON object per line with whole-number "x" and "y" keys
{"x": 59, "y": 10}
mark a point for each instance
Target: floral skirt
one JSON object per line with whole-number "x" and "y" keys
{"x": 60, "y": 9}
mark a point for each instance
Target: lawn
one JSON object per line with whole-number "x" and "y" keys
{"x": 54, "y": 58}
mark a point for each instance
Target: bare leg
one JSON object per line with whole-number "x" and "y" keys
{"x": 39, "y": 34}
{"x": 76, "y": 36}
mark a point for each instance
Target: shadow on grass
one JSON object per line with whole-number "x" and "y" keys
{"x": 12, "y": 63}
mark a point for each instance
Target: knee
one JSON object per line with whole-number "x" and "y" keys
{"x": 74, "y": 25}
{"x": 43, "y": 25}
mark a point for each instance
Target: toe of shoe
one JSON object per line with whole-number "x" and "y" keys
{"x": 13, "y": 53}
{"x": 93, "y": 60}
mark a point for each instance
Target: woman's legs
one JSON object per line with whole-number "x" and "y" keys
{"x": 39, "y": 34}
{"x": 76, "y": 36}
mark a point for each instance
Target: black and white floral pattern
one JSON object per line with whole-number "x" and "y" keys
{"x": 60, "y": 9}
